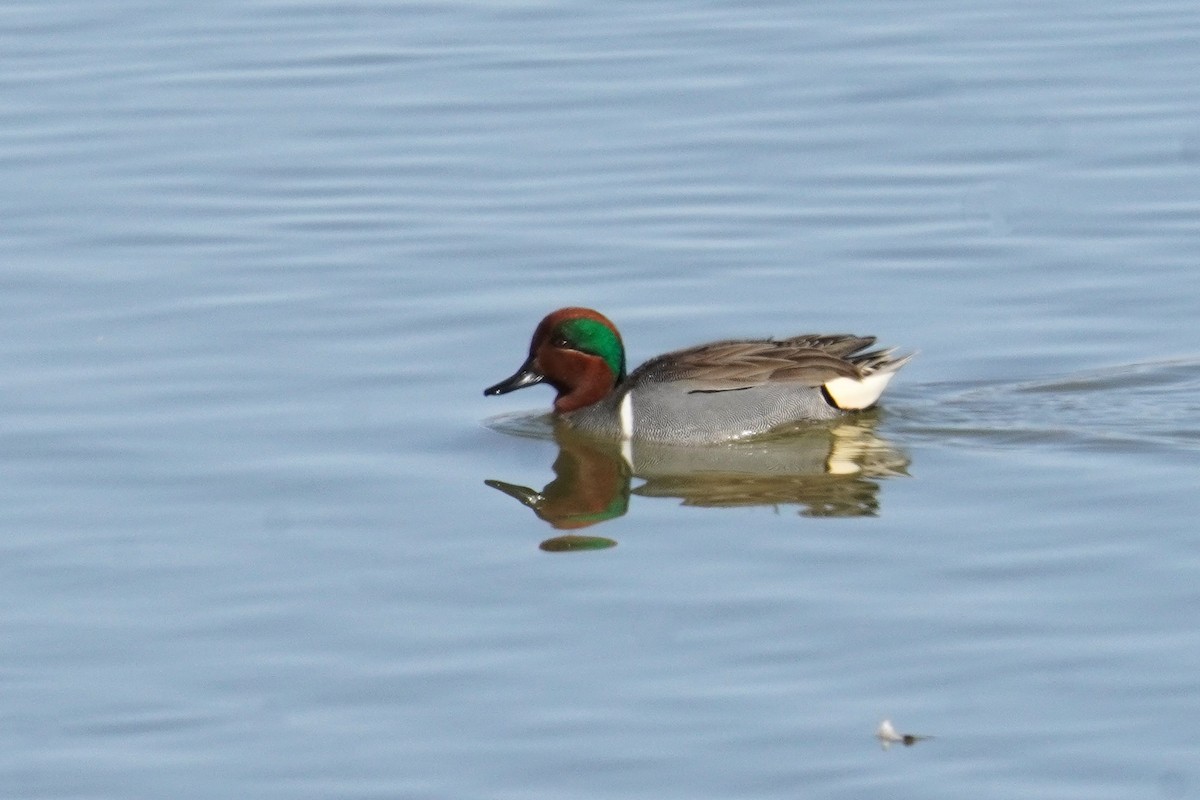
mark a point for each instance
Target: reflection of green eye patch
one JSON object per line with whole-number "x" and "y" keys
{"x": 596, "y": 338}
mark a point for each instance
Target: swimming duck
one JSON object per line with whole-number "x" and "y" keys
{"x": 711, "y": 393}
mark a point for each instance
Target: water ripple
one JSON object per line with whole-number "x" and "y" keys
{"x": 1141, "y": 406}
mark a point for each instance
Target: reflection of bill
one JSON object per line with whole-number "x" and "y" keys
{"x": 827, "y": 470}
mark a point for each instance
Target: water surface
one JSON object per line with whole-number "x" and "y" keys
{"x": 261, "y": 259}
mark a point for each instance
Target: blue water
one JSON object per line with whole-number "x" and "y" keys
{"x": 260, "y": 260}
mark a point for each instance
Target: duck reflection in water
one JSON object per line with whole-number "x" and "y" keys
{"x": 830, "y": 470}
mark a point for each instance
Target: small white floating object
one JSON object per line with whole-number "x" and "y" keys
{"x": 887, "y": 736}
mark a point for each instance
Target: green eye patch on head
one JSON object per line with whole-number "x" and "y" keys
{"x": 592, "y": 336}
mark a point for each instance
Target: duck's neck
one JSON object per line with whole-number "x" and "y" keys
{"x": 592, "y": 382}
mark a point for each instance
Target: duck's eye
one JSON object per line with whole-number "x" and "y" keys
{"x": 560, "y": 341}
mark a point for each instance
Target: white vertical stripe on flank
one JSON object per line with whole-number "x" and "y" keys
{"x": 626, "y": 416}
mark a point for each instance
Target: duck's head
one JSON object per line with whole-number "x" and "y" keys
{"x": 577, "y": 351}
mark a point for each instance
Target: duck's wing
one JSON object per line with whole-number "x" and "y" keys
{"x": 842, "y": 345}
{"x": 742, "y": 364}
{"x": 853, "y": 349}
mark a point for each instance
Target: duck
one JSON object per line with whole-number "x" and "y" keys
{"x": 722, "y": 391}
